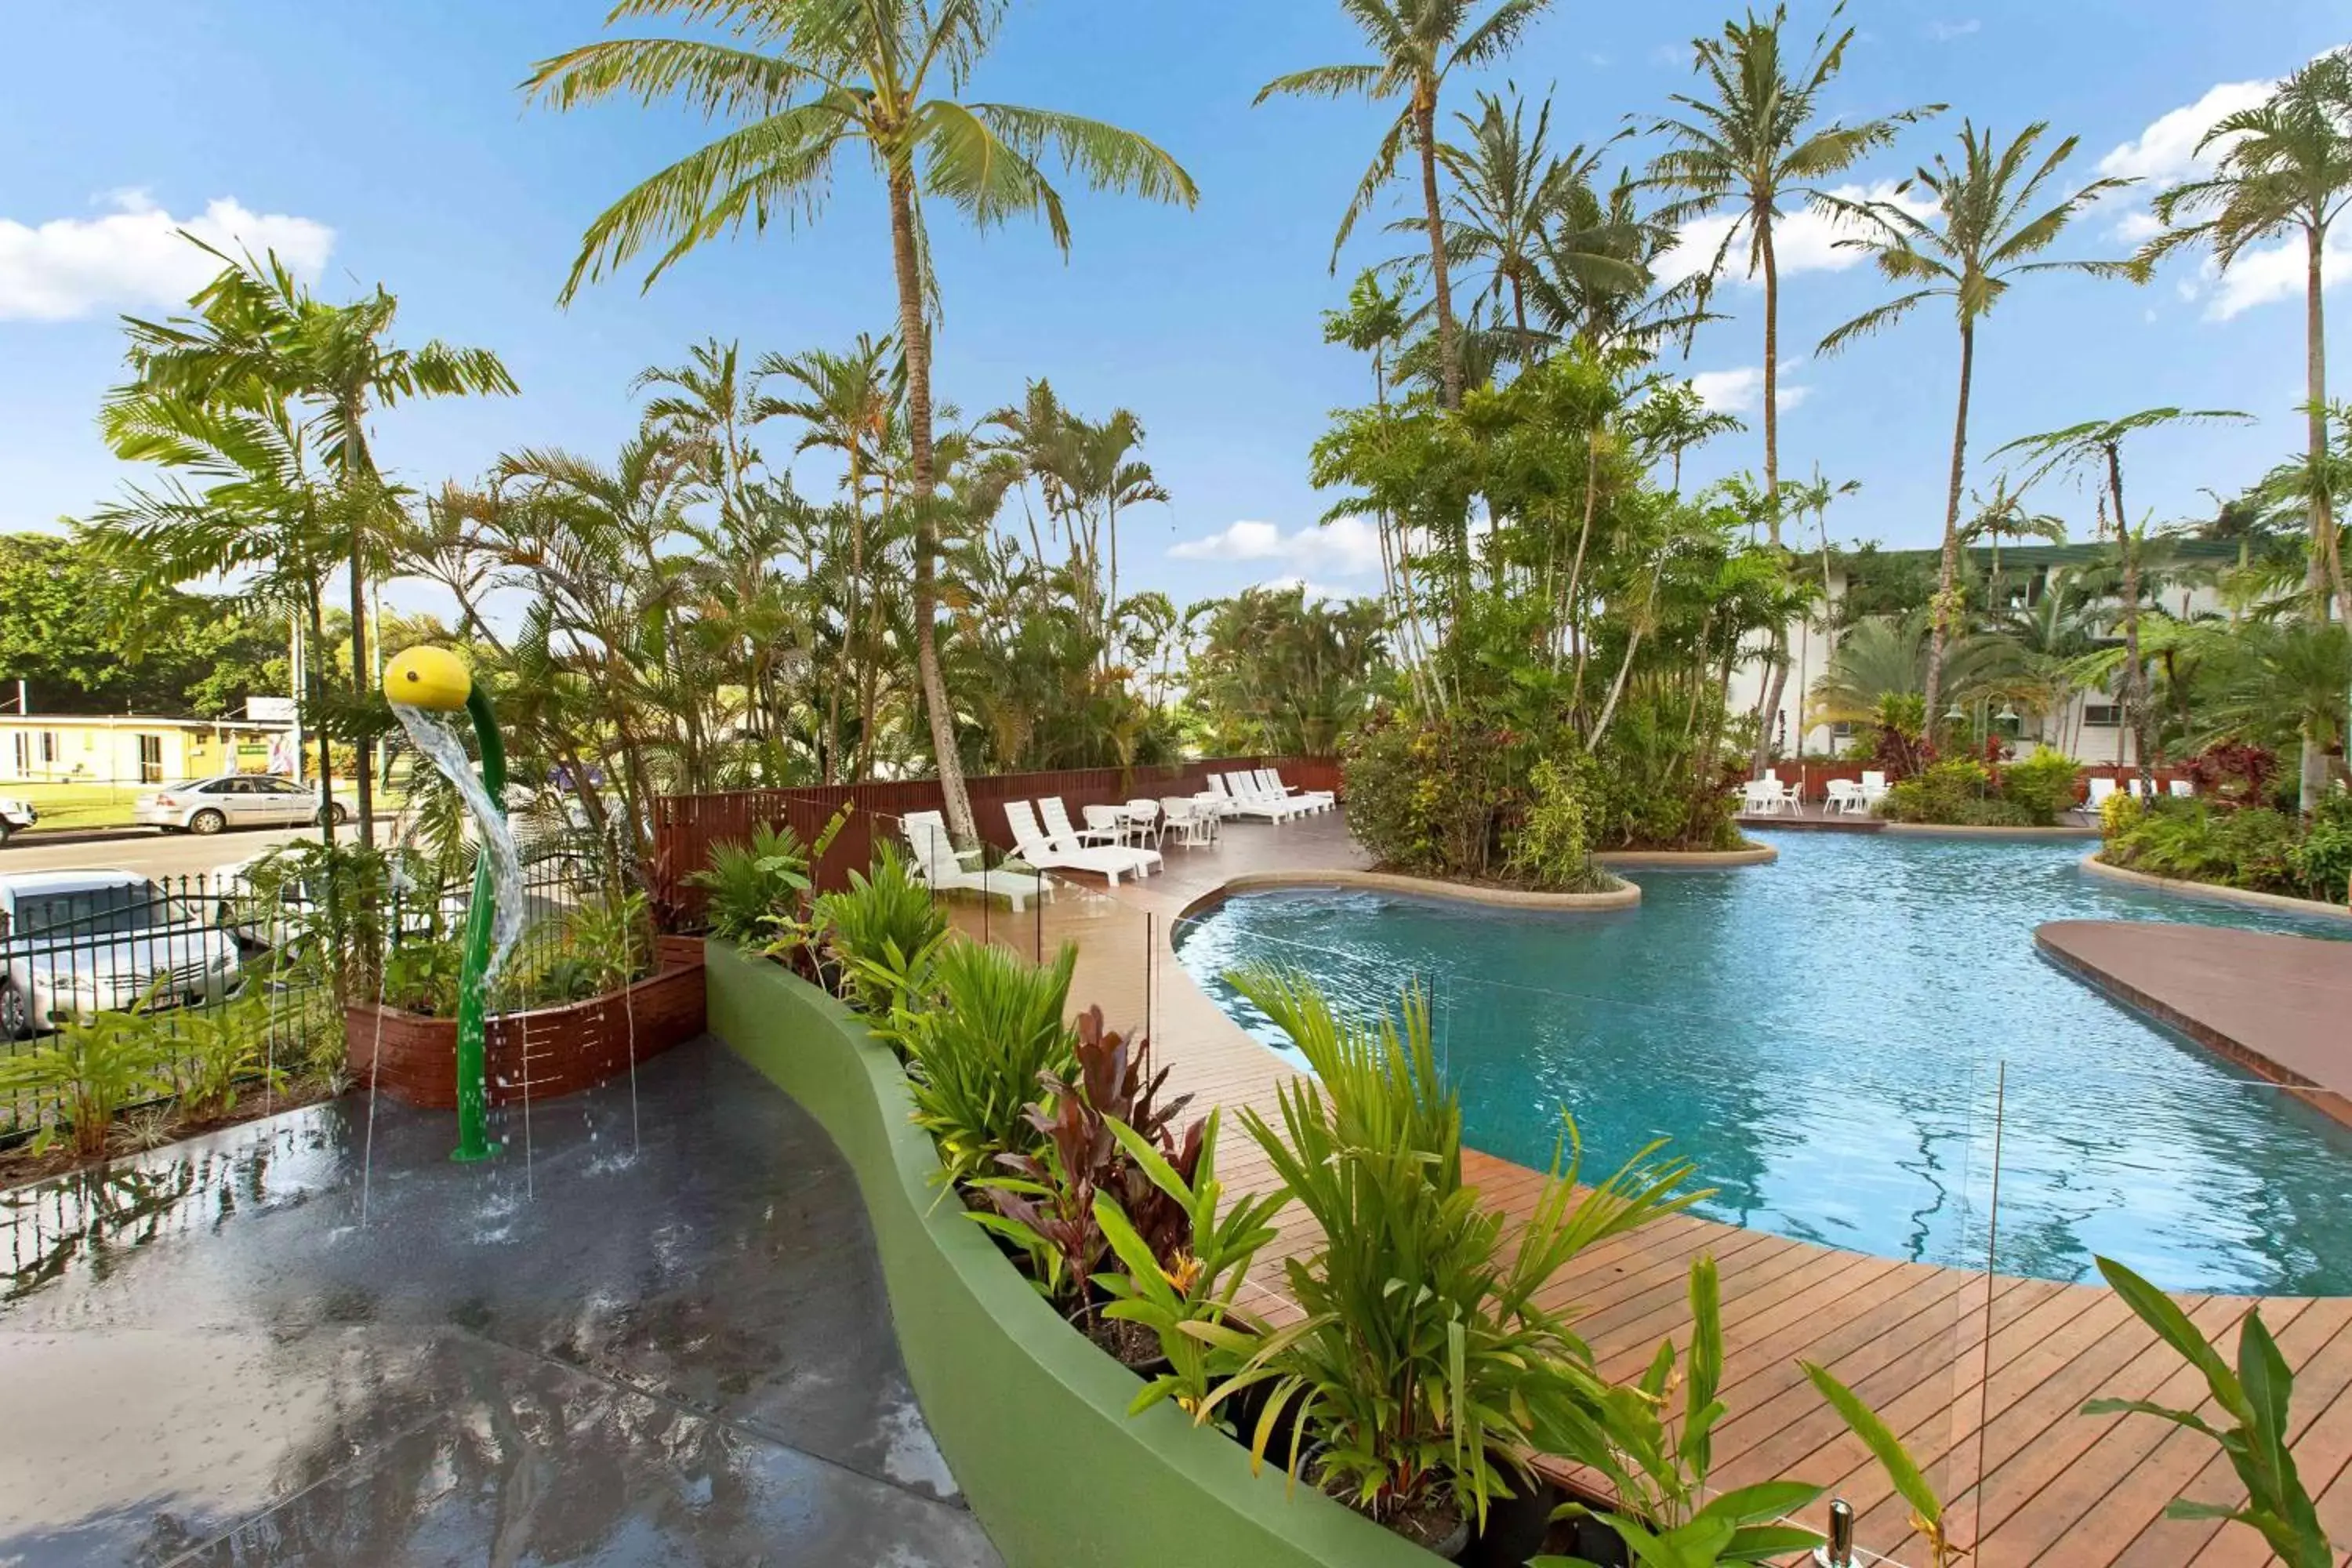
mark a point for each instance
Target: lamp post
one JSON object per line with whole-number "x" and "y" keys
{"x": 433, "y": 678}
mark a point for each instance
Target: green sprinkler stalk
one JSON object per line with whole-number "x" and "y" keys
{"x": 473, "y": 1089}
{"x": 432, "y": 678}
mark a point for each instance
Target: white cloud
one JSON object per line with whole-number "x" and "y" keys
{"x": 1344, "y": 547}
{"x": 133, "y": 257}
{"x": 1803, "y": 240}
{"x": 1945, "y": 32}
{"x": 2270, "y": 272}
{"x": 2165, "y": 152}
{"x": 1741, "y": 391}
{"x": 1671, "y": 55}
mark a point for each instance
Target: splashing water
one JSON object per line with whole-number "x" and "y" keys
{"x": 436, "y": 738}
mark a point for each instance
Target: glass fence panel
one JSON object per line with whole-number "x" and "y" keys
{"x": 2230, "y": 1193}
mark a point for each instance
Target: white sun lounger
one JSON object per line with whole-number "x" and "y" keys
{"x": 944, "y": 867}
{"x": 1066, "y": 854}
{"x": 1250, "y": 801}
{"x": 1270, "y": 782}
{"x": 1140, "y": 861}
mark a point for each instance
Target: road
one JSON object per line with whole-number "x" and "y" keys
{"x": 150, "y": 854}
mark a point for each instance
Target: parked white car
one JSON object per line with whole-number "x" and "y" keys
{"x": 77, "y": 942}
{"x": 15, "y": 815}
{"x": 235, "y": 800}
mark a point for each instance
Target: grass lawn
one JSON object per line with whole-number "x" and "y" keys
{"x": 78, "y": 804}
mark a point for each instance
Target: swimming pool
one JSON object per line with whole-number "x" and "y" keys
{"x": 1835, "y": 1040}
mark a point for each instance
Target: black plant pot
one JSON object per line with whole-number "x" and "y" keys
{"x": 1516, "y": 1527}
{"x": 1598, "y": 1544}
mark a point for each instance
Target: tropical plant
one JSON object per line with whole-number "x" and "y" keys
{"x": 2093, "y": 450}
{"x": 1986, "y": 234}
{"x": 2041, "y": 785}
{"x": 256, "y": 344}
{"x": 421, "y": 975}
{"x": 1422, "y": 1404}
{"x": 975, "y": 1057}
{"x": 2255, "y": 1399}
{"x": 748, "y": 887}
{"x": 810, "y": 83}
{"x": 1278, "y": 674}
{"x": 1551, "y": 846}
{"x": 1753, "y": 140}
{"x": 1910, "y": 1483}
{"x": 886, "y": 928}
{"x": 1187, "y": 1297}
{"x": 2282, "y": 169}
{"x": 1666, "y": 1515}
{"x": 2324, "y": 860}
{"x": 1048, "y": 1205}
{"x": 89, "y": 1071}
{"x": 1416, "y": 45}
{"x": 219, "y": 1048}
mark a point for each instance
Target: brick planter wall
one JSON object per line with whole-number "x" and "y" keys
{"x": 550, "y": 1051}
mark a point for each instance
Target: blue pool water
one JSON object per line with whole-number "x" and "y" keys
{"x": 1835, "y": 1040}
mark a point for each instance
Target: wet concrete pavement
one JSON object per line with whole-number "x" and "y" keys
{"x": 308, "y": 1341}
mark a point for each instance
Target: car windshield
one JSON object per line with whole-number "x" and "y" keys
{"x": 123, "y": 908}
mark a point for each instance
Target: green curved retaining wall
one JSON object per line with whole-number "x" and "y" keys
{"x": 1031, "y": 1418}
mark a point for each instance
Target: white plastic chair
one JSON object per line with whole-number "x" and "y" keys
{"x": 1874, "y": 786}
{"x": 1321, "y": 799}
{"x": 2181, "y": 789}
{"x": 1145, "y": 820}
{"x": 1845, "y": 798}
{"x": 1057, "y": 823}
{"x": 943, "y": 867}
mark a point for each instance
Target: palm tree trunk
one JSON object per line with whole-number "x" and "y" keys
{"x": 2134, "y": 672}
{"x": 1449, "y": 345}
{"x": 849, "y": 629}
{"x": 318, "y": 681}
{"x": 1949, "y": 568}
{"x": 2324, "y": 572}
{"x": 1776, "y": 676}
{"x": 919, "y": 440}
{"x": 1576, "y": 567}
{"x": 362, "y": 688}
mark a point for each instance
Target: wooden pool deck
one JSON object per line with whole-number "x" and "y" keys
{"x": 1983, "y": 1375}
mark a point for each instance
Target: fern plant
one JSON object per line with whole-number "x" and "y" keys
{"x": 748, "y": 885}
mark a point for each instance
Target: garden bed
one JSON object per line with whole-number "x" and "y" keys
{"x": 2213, "y": 892}
{"x": 1031, "y": 1417}
{"x": 1624, "y": 895}
{"x": 541, "y": 1054}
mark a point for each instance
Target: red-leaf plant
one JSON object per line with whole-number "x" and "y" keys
{"x": 1046, "y": 1205}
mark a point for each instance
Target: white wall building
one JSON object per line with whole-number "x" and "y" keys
{"x": 2090, "y": 728}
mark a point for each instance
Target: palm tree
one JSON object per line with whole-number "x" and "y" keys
{"x": 705, "y": 405}
{"x": 1508, "y": 192}
{"x": 2002, "y": 515}
{"x": 2285, "y": 169}
{"x": 1988, "y": 228}
{"x": 1817, "y": 496}
{"x": 2094, "y": 449}
{"x": 1418, "y": 42}
{"x": 258, "y": 338}
{"x": 1751, "y": 141}
{"x": 807, "y": 83}
{"x": 848, "y": 403}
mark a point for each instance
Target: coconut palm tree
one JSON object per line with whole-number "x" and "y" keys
{"x": 2285, "y": 172}
{"x": 1751, "y": 142}
{"x": 1508, "y": 191}
{"x": 2093, "y": 450}
{"x": 257, "y": 340}
{"x": 1989, "y": 228}
{"x": 807, "y": 83}
{"x": 1417, "y": 44}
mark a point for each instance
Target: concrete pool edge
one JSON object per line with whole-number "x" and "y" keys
{"x": 2213, "y": 892}
{"x": 1028, "y": 1414}
{"x": 1624, "y": 896}
{"x": 1750, "y": 854}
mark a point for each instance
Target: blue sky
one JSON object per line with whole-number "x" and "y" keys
{"x": 387, "y": 144}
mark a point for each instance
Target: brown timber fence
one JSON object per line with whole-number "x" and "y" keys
{"x": 686, "y": 827}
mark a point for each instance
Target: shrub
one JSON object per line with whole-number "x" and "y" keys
{"x": 884, "y": 928}
{"x": 1957, "y": 791}
{"x": 91, "y": 1069}
{"x": 2195, "y": 841}
{"x": 1548, "y": 847}
{"x": 2234, "y": 772}
{"x": 976, "y": 1057}
{"x": 420, "y": 976}
{"x": 2043, "y": 785}
{"x": 220, "y": 1048}
{"x": 1425, "y": 794}
{"x": 750, "y": 886}
{"x": 2323, "y": 861}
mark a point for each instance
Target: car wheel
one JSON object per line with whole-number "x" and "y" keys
{"x": 207, "y": 821}
{"x": 7, "y": 830}
{"x": 13, "y": 1024}
{"x": 336, "y": 813}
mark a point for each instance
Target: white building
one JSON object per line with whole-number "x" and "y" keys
{"x": 2091, "y": 726}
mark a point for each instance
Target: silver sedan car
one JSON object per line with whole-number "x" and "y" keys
{"x": 74, "y": 943}
{"x": 235, "y": 800}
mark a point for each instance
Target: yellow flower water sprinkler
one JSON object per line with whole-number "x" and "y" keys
{"x": 434, "y": 680}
